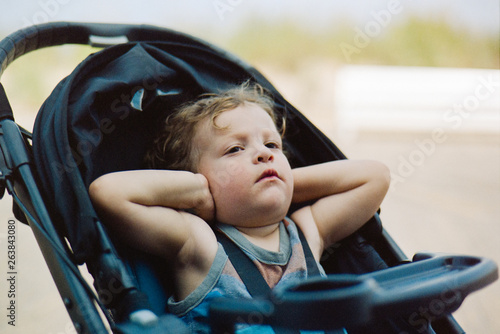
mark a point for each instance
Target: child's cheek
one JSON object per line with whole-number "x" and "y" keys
{"x": 226, "y": 175}
{"x": 234, "y": 168}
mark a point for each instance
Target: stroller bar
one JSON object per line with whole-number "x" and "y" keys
{"x": 103, "y": 41}
{"x": 96, "y": 34}
{"x": 76, "y": 298}
{"x": 5, "y": 109}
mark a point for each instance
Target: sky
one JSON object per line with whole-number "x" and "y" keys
{"x": 223, "y": 16}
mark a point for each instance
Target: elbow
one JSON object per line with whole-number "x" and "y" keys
{"x": 381, "y": 178}
{"x": 97, "y": 192}
{"x": 95, "y": 189}
{"x": 385, "y": 177}
{"x": 101, "y": 192}
{"x": 108, "y": 201}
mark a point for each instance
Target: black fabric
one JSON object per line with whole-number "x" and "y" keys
{"x": 354, "y": 255}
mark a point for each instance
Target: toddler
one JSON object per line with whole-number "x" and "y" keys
{"x": 219, "y": 165}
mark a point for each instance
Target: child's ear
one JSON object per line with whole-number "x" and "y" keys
{"x": 282, "y": 126}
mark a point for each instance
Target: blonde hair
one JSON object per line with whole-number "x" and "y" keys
{"x": 173, "y": 147}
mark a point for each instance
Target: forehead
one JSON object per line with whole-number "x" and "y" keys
{"x": 247, "y": 117}
{"x": 247, "y": 114}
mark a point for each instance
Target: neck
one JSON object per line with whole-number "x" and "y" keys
{"x": 267, "y": 237}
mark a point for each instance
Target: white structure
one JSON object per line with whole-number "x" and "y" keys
{"x": 407, "y": 99}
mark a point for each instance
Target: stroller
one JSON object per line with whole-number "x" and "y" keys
{"x": 103, "y": 116}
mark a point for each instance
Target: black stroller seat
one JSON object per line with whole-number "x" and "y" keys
{"x": 102, "y": 118}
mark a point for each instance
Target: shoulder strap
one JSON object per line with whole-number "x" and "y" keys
{"x": 249, "y": 274}
{"x": 312, "y": 266}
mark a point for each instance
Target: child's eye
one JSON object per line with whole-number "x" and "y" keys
{"x": 234, "y": 149}
{"x": 272, "y": 145}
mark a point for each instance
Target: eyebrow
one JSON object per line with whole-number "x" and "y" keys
{"x": 266, "y": 131}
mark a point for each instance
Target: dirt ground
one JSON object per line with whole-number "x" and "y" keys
{"x": 448, "y": 202}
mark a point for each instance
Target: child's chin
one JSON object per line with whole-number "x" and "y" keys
{"x": 257, "y": 217}
{"x": 274, "y": 211}
{"x": 279, "y": 202}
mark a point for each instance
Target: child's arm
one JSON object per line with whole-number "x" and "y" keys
{"x": 145, "y": 209}
{"x": 348, "y": 194}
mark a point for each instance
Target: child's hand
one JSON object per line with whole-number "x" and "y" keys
{"x": 204, "y": 206}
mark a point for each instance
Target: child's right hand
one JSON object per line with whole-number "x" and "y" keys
{"x": 204, "y": 206}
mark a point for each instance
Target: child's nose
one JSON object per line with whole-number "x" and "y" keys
{"x": 264, "y": 154}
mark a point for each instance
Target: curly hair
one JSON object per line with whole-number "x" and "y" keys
{"x": 172, "y": 149}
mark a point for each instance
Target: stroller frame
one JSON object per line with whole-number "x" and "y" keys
{"x": 20, "y": 178}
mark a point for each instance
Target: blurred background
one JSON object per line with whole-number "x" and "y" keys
{"x": 414, "y": 84}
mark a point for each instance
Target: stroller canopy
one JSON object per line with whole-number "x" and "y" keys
{"x": 103, "y": 116}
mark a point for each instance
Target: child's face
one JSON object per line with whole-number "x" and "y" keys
{"x": 249, "y": 176}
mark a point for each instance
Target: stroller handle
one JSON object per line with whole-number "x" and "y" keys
{"x": 437, "y": 282}
{"x": 96, "y": 34}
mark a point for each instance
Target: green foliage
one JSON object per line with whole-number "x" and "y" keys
{"x": 413, "y": 42}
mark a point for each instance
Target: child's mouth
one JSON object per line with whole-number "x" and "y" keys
{"x": 268, "y": 174}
